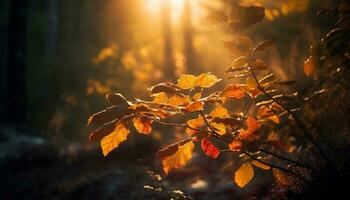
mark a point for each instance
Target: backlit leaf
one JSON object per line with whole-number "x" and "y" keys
{"x": 219, "y": 111}
{"x": 262, "y": 46}
{"x": 266, "y": 112}
{"x": 209, "y": 148}
{"x": 160, "y": 98}
{"x": 260, "y": 165}
{"x": 220, "y": 128}
{"x": 244, "y": 174}
{"x": 233, "y": 91}
{"x": 258, "y": 65}
{"x": 251, "y": 83}
{"x": 195, "y": 106}
{"x": 309, "y": 67}
{"x": 143, "y": 125}
{"x": 112, "y": 141}
{"x": 235, "y": 145}
{"x": 194, "y": 123}
{"x": 206, "y": 80}
{"x": 117, "y": 99}
{"x": 253, "y": 125}
{"x": 179, "y": 157}
{"x": 197, "y": 96}
{"x": 178, "y": 101}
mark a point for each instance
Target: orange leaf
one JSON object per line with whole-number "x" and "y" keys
{"x": 267, "y": 112}
{"x": 251, "y": 83}
{"x": 194, "y": 123}
{"x": 253, "y": 125}
{"x": 309, "y": 66}
{"x": 209, "y": 148}
{"x": 195, "y": 106}
{"x": 112, "y": 141}
{"x": 143, "y": 125}
{"x": 197, "y": 96}
{"x": 187, "y": 81}
{"x": 160, "y": 98}
{"x": 244, "y": 174}
{"x": 235, "y": 145}
{"x": 182, "y": 154}
{"x": 178, "y": 101}
{"x": 206, "y": 80}
{"x": 260, "y": 165}
{"x": 233, "y": 91}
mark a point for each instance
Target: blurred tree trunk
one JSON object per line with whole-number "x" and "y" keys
{"x": 16, "y": 68}
{"x": 188, "y": 39}
{"x": 51, "y": 27}
{"x": 169, "y": 67}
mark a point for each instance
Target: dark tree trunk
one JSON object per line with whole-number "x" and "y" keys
{"x": 51, "y": 27}
{"x": 169, "y": 68}
{"x": 16, "y": 69}
{"x": 188, "y": 40}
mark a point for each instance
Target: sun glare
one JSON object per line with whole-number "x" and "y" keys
{"x": 154, "y": 7}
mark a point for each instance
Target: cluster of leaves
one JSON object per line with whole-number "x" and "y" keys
{"x": 249, "y": 133}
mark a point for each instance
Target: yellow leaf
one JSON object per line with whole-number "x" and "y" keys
{"x": 197, "y": 96}
{"x": 187, "y": 81}
{"x": 260, "y": 165}
{"x": 179, "y": 158}
{"x": 112, "y": 141}
{"x": 206, "y": 80}
{"x": 267, "y": 112}
{"x": 219, "y": 127}
{"x": 219, "y": 111}
{"x": 244, "y": 174}
{"x": 143, "y": 125}
{"x": 178, "y": 101}
{"x": 309, "y": 66}
{"x": 251, "y": 83}
{"x": 160, "y": 98}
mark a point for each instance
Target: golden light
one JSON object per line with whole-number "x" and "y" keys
{"x": 154, "y": 7}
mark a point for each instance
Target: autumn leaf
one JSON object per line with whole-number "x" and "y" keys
{"x": 251, "y": 83}
{"x": 233, "y": 91}
{"x": 117, "y": 99}
{"x": 220, "y": 128}
{"x": 187, "y": 81}
{"x": 219, "y": 111}
{"x": 160, "y": 98}
{"x": 194, "y": 106}
{"x": 112, "y": 141}
{"x": 253, "y": 125}
{"x": 260, "y": 165}
{"x": 309, "y": 67}
{"x": 205, "y": 80}
{"x": 167, "y": 87}
{"x": 244, "y": 174}
{"x": 267, "y": 113}
{"x": 209, "y": 148}
{"x": 235, "y": 145}
{"x": 239, "y": 62}
{"x": 178, "y": 101}
{"x": 143, "y": 125}
{"x": 177, "y": 155}
{"x": 258, "y": 65}
{"x": 197, "y": 96}
{"x": 262, "y": 46}
{"x": 194, "y": 123}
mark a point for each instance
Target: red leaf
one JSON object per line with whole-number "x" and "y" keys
{"x": 209, "y": 148}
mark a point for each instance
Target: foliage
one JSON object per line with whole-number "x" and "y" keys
{"x": 249, "y": 133}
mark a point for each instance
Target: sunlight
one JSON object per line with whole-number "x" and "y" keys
{"x": 154, "y": 6}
